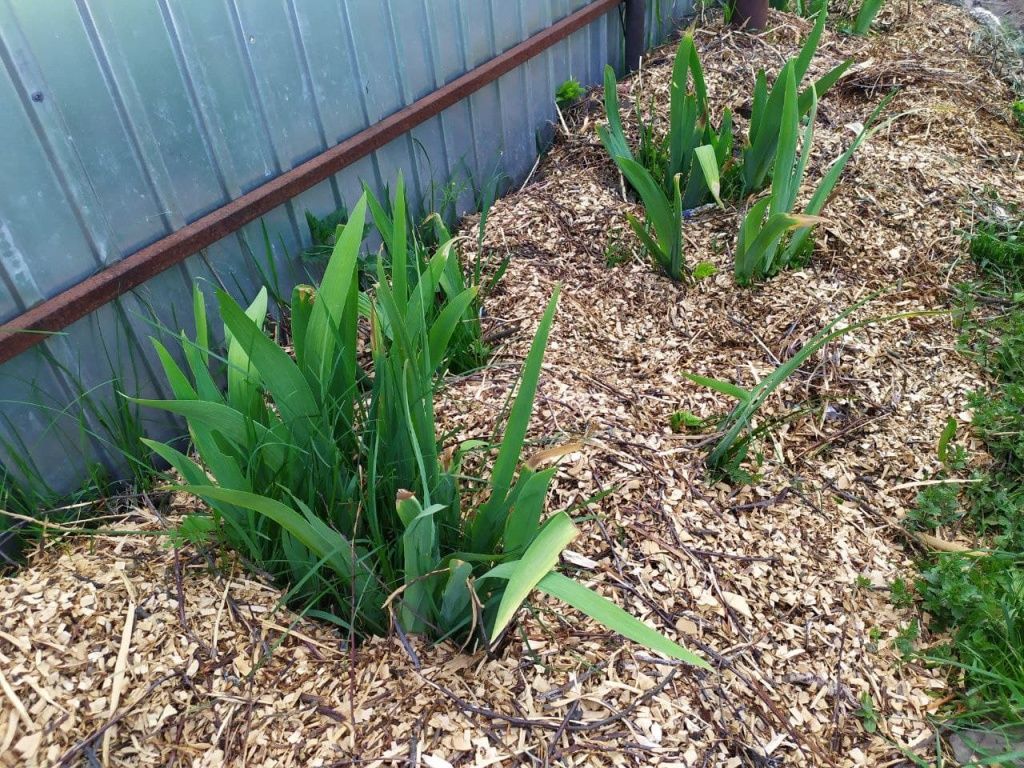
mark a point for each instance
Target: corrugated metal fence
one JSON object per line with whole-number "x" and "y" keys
{"x": 120, "y": 122}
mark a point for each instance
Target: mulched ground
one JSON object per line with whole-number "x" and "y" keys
{"x": 118, "y": 651}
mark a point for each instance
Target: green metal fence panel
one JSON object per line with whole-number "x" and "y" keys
{"x": 122, "y": 122}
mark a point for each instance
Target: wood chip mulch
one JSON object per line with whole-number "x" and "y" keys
{"x": 119, "y": 651}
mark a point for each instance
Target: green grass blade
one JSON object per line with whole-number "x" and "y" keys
{"x": 615, "y": 618}
{"x": 700, "y": 88}
{"x": 724, "y": 387}
{"x": 766, "y": 243}
{"x": 760, "y": 151}
{"x": 198, "y": 362}
{"x": 708, "y": 162}
{"x": 724, "y": 140}
{"x": 380, "y": 217}
{"x": 614, "y": 139}
{"x": 537, "y": 561}
{"x": 488, "y": 523}
{"x": 740, "y": 418}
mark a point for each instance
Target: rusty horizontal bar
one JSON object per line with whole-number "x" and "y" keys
{"x": 54, "y": 314}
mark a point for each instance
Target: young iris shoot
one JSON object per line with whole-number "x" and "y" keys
{"x": 762, "y": 247}
{"x": 768, "y": 108}
{"x": 736, "y": 432}
{"x": 680, "y": 171}
{"x": 866, "y": 15}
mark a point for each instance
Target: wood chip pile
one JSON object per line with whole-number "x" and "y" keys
{"x": 119, "y": 651}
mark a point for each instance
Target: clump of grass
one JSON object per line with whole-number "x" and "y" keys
{"x": 978, "y": 600}
{"x": 616, "y": 249}
{"x": 936, "y": 506}
{"x": 324, "y": 467}
{"x": 997, "y": 245}
{"x": 1017, "y": 110}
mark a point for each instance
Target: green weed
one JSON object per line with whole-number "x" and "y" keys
{"x": 906, "y": 639}
{"x": 568, "y": 93}
{"x": 681, "y": 421}
{"x": 936, "y": 506}
{"x": 979, "y": 600}
{"x": 900, "y": 593}
{"x": 616, "y": 249}
{"x": 866, "y": 713}
{"x": 703, "y": 270}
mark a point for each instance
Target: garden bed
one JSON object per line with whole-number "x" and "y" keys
{"x": 122, "y": 651}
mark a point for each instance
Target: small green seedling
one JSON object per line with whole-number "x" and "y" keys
{"x": 684, "y": 420}
{"x": 568, "y": 93}
{"x": 867, "y": 714}
{"x": 703, "y": 270}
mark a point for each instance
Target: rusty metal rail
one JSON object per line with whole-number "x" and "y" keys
{"x": 60, "y": 311}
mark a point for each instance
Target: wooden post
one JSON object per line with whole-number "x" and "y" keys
{"x": 633, "y": 31}
{"x": 750, "y": 14}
